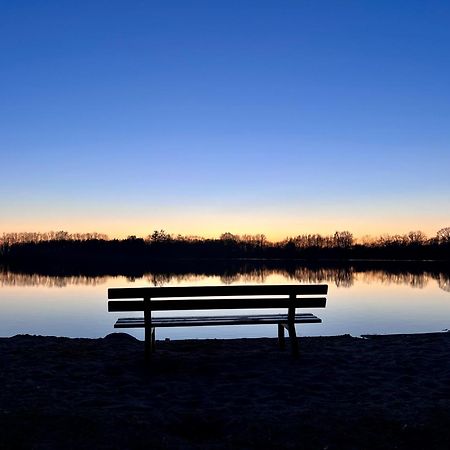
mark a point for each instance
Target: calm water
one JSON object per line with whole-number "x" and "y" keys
{"x": 358, "y": 303}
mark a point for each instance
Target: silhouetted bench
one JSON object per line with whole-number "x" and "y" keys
{"x": 195, "y": 298}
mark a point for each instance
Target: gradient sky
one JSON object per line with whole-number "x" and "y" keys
{"x": 200, "y": 117}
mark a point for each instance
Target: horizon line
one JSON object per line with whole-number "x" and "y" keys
{"x": 106, "y": 236}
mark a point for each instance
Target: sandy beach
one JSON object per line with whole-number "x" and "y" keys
{"x": 379, "y": 392}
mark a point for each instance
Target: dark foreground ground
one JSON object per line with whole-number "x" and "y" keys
{"x": 384, "y": 392}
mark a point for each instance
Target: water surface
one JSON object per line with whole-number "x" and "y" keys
{"x": 359, "y": 302}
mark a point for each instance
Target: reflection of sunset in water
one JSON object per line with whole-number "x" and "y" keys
{"x": 340, "y": 277}
{"x": 359, "y": 302}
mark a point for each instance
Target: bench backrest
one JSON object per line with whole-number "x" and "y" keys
{"x": 216, "y": 297}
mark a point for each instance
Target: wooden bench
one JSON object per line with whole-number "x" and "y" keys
{"x": 195, "y": 298}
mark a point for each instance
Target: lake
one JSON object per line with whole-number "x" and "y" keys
{"x": 360, "y": 301}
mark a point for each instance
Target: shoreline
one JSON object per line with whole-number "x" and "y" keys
{"x": 374, "y": 392}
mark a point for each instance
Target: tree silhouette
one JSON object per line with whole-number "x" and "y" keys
{"x": 443, "y": 235}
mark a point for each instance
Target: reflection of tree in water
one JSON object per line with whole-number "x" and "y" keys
{"x": 344, "y": 278}
{"x": 230, "y": 278}
{"x": 242, "y": 274}
{"x": 444, "y": 281}
{"x": 256, "y": 275}
{"x": 30, "y": 280}
{"x": 163, "y": 279}
{"x": 341, "y": 277}
{"x": 158, "y": 279}
{"x": 414, "y": 280}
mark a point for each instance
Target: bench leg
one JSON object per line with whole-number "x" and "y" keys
{"x": 291, "y": 328}
{"x": 153, "y": 340}
{"x": 281, "y": 340}
{"x": 148, "y": 333}
{"x": 293, "y": 339}
{"x": 149, "y": 342}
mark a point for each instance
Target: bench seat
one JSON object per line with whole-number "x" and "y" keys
{"x": 138, "y": 322}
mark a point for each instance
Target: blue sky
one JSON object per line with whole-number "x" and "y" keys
{"x": 202, "y": 117}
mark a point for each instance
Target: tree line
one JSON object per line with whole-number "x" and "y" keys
{"x": 97, "y": 248}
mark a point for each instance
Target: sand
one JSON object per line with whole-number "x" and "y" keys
{"x": 381, "y": 392}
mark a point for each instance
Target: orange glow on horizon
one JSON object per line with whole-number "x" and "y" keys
{"x": 275, "y": 230}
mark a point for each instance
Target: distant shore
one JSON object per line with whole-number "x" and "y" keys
{"x": 343, "y": 392}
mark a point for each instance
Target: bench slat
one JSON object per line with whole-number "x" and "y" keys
{"x": 222, "y": 303}
{"x": 215, "y": 320}
{"x": 212, "y": 291}
{"x": 231, "y": 317}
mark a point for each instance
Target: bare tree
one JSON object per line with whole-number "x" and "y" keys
{"x": 443, "y": 235}
{"x": 416, "y": 237}
{"x": 343, "y": 239}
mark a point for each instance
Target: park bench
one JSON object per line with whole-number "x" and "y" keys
{"x": 196, "y": 298}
